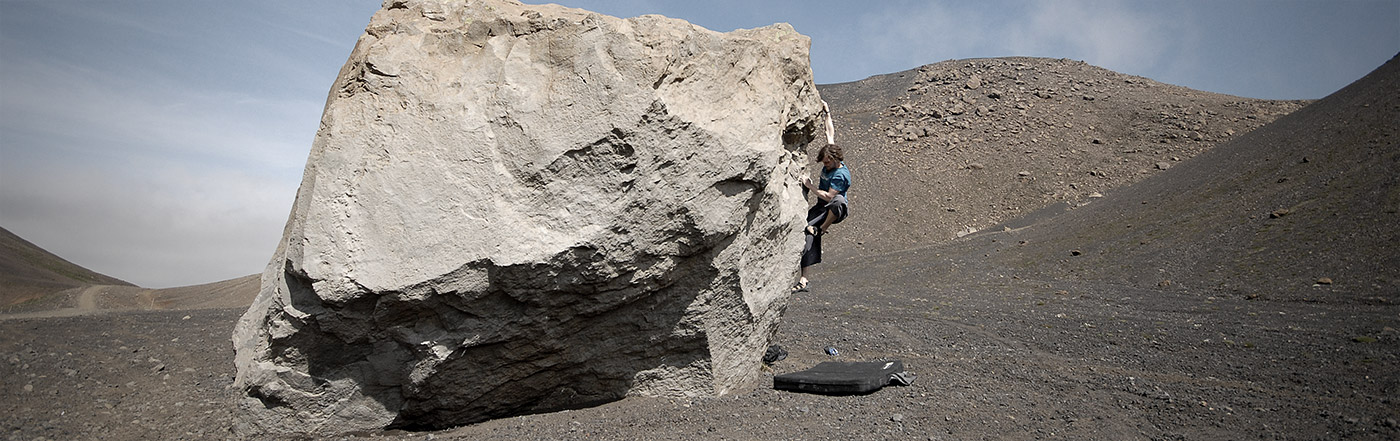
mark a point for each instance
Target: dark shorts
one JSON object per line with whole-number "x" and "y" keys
{"x": 812, "y": 250}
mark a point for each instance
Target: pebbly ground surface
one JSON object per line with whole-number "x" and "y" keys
{"x": 123, "y": 375}
{"x": 997, "y": 355}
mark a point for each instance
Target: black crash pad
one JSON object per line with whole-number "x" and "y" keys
{"x": 840, "y": 378}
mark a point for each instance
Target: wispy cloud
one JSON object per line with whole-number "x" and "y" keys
{"x": 78, "y": 110}
{"x": 1113, "y": 34}
{"x": 149, "y": 179}
{"x": 156, "y": 223}
{"x": 1109, "y": 34}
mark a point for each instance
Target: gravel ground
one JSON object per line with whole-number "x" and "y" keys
{"x": 122, "y": 375}
{"x": 997, "y": 356}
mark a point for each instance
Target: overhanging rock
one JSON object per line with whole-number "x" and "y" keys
{"x": 513, "y": 209}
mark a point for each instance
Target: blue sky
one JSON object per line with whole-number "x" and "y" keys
{"x": 162, "y": 141}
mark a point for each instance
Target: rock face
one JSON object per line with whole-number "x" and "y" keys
{"x": 513, "y": 209}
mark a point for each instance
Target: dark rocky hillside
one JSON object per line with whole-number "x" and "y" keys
{"x": 37, "y": 283}
{"x": 1304, "y": 209}
{"x": 957, "y": 146}
{"x": 28, "y": 272}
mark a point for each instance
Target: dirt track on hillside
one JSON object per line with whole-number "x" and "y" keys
{"x": 85, "y": 303}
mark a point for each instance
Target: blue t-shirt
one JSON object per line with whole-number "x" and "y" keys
{"x": 839, "y": 179}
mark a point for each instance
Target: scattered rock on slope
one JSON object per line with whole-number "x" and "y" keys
{"x": 1078, "y": 129}
{"x": 1258, "y": 217}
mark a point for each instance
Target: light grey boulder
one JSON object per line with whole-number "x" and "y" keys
{"x": 512, "y": 208}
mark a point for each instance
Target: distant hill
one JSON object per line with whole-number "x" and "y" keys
{"x": 28, "y": 272}
{"x": 232, "y": 293}
{"x": 958, "y": 146}
{"x": 1304, "y": 209}
{"x": 37, "y": 283}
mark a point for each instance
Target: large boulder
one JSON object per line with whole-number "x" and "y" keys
{"x": 513, "y": 209}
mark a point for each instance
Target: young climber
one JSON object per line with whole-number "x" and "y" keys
{"x": 831, "y": 207}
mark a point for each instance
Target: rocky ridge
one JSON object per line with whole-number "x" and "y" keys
{"x": 1304, "y": 209}
{"x": 954, "y": 147}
